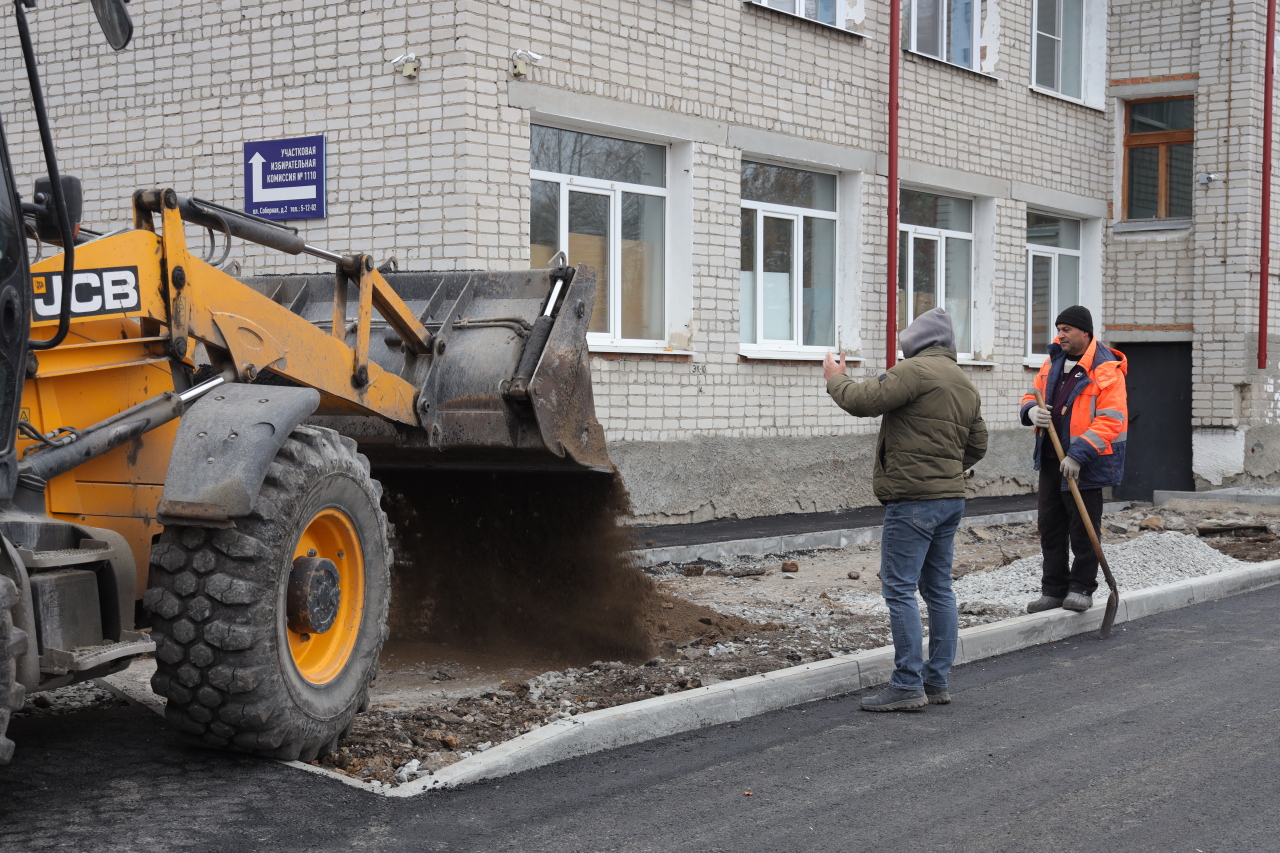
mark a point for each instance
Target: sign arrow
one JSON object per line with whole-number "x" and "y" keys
{"x": 261, "y": 194}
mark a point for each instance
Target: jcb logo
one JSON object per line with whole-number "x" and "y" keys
{"x": 93, "y": 293}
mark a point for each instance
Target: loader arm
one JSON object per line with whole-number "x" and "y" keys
{"x": 192, "y": 299}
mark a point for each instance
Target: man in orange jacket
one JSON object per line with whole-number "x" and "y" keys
{"x": 1083, "y": 384}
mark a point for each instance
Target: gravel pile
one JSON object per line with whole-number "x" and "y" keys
{"x": 1149, "y": 560}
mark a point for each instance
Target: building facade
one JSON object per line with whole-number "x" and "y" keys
{"x": 722, "y": 163}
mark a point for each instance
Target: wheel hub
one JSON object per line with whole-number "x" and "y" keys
{"x": 315, "y": 593}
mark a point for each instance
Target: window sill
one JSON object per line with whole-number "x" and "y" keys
{"x": 1033, "y": 363}
{"x": 747, "y": 353}
{"x": 1130, "y": 226}
{"x": 915, "y": 56}
{"x": 681, "y": 357}
{"x": 637, "y": 348}
{"x": 1058, "y": 96}
{"x": 761, "y": 5}
{"x": 961, "y": 358}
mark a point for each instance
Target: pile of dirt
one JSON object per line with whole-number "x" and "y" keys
{"x": 541, "y": 558}
{"x": 672, "y": 622}
{"x": 1250, "y": 549}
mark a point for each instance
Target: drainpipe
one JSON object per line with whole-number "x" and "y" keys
{"x": 1265, "y": 275}
{"x": 891, "y": 307}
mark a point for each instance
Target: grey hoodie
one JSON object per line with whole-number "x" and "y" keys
{"x": 930, "y": 329}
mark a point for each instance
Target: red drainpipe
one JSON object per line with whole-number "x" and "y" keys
{"x": 891, "y": 308}
{"x": 1265, "y": 275}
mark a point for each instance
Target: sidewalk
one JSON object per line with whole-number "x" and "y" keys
{"x": 780, "y": 534}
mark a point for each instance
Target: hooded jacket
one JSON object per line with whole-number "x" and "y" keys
{"x": 932, "y": 431}
{"x": 1096, "y": 423}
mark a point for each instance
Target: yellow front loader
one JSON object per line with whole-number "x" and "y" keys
{"x": 190, "y": 452}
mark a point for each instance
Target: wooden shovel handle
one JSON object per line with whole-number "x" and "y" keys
{"x": 1075, "y": 493}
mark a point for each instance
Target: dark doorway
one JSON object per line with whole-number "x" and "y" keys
{"x": 1159, "y": 451}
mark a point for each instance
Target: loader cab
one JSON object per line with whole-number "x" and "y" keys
{"x": 15, "y": 278}
{"x": 15, "y": 308}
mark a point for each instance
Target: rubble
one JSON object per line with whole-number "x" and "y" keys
{"x": 86, "y": 696}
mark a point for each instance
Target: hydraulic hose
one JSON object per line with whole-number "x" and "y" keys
{"x": 59, "y": 200}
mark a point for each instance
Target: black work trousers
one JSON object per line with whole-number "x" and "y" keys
{"x": 1060, "y": 524}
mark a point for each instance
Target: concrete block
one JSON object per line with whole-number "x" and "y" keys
{"x": 1148, "y": 602}
{"x": 1255, "y": 577}
{"x": 799, "y": 684}
{"x": 995, "y": 638}
{"x": 875, "y": 667}
{"x": 1213, "y": 587}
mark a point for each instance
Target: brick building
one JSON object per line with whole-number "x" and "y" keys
{"x": 723, "y": 163}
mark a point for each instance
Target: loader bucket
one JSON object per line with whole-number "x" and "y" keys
{"x": 471, "y": 416}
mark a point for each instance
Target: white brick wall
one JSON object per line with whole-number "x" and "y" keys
{"x": 435, "y": 170}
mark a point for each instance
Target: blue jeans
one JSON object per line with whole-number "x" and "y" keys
{"x": 915, "y": 550}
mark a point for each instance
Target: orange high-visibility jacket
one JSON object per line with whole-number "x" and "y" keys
{"x": 1097, "y": 413}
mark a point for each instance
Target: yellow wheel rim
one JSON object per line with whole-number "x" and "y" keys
{"x": 321, "y": 657}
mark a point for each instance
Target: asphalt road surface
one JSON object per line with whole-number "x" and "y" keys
{"x": 1164, "y": 738}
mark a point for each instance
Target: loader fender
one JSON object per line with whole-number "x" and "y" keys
{"x": 226, "y": 440}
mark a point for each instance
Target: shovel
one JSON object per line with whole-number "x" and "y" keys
{"x": 1113, "y": 601}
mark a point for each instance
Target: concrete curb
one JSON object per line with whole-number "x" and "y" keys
{"x": 719, "y": 551}
{"x": 730, "y": 701}
{"x": 1161, "y": 496}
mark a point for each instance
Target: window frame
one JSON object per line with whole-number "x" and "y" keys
{"x": 1054, "y": 252}
{"x": 907, "y": 269}
{"x": 614, "y": 190}
{"x": 1162, "y": 140}
{"x": 797, "y": 216}
{"x": 1035, "y": 50}
{"x": 975, "y": 47}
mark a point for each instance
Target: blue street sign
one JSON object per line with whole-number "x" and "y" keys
{"x": 284, "y": 178}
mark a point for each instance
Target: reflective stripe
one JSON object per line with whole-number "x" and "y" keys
{"x": 1093, "y": 407}
{"x": 1032, "y": 392}
{"x": 1112, "y": 413}
{"x": 1094, "y": 439}
{"x": 1121, "y": 437}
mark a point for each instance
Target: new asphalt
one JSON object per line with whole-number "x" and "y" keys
{"x": 1165, "y": 737}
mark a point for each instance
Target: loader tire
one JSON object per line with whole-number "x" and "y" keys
{"x": 238, "y": 667}
{"x": 13, "y": 642}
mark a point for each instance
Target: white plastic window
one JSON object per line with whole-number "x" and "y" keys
{"x": 602, "y": 201}
{"x": 1057, "y": 47}
{"x": 935, "y": 261}
{"x": 830, "y": 12}
{"x": 1053, "y": 276}
{"x": 788, "y": 258}
{"x": 946, "y": 29}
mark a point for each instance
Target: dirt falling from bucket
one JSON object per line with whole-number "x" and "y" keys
{"x": 538, "y": 559}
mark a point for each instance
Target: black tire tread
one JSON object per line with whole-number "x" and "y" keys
{"x": 214, "y": 624}
{"x": 13, "y": 642}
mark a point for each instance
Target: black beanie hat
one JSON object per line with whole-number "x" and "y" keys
{"x": 1077, "y": 316}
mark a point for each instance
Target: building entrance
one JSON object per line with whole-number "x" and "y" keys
{"x": 1158, "y": 455}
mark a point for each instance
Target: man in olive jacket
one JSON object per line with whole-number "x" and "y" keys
{"x": 932, "y": 432}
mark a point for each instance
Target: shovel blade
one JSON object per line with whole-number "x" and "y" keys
{"x": 1109, "y": 617}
